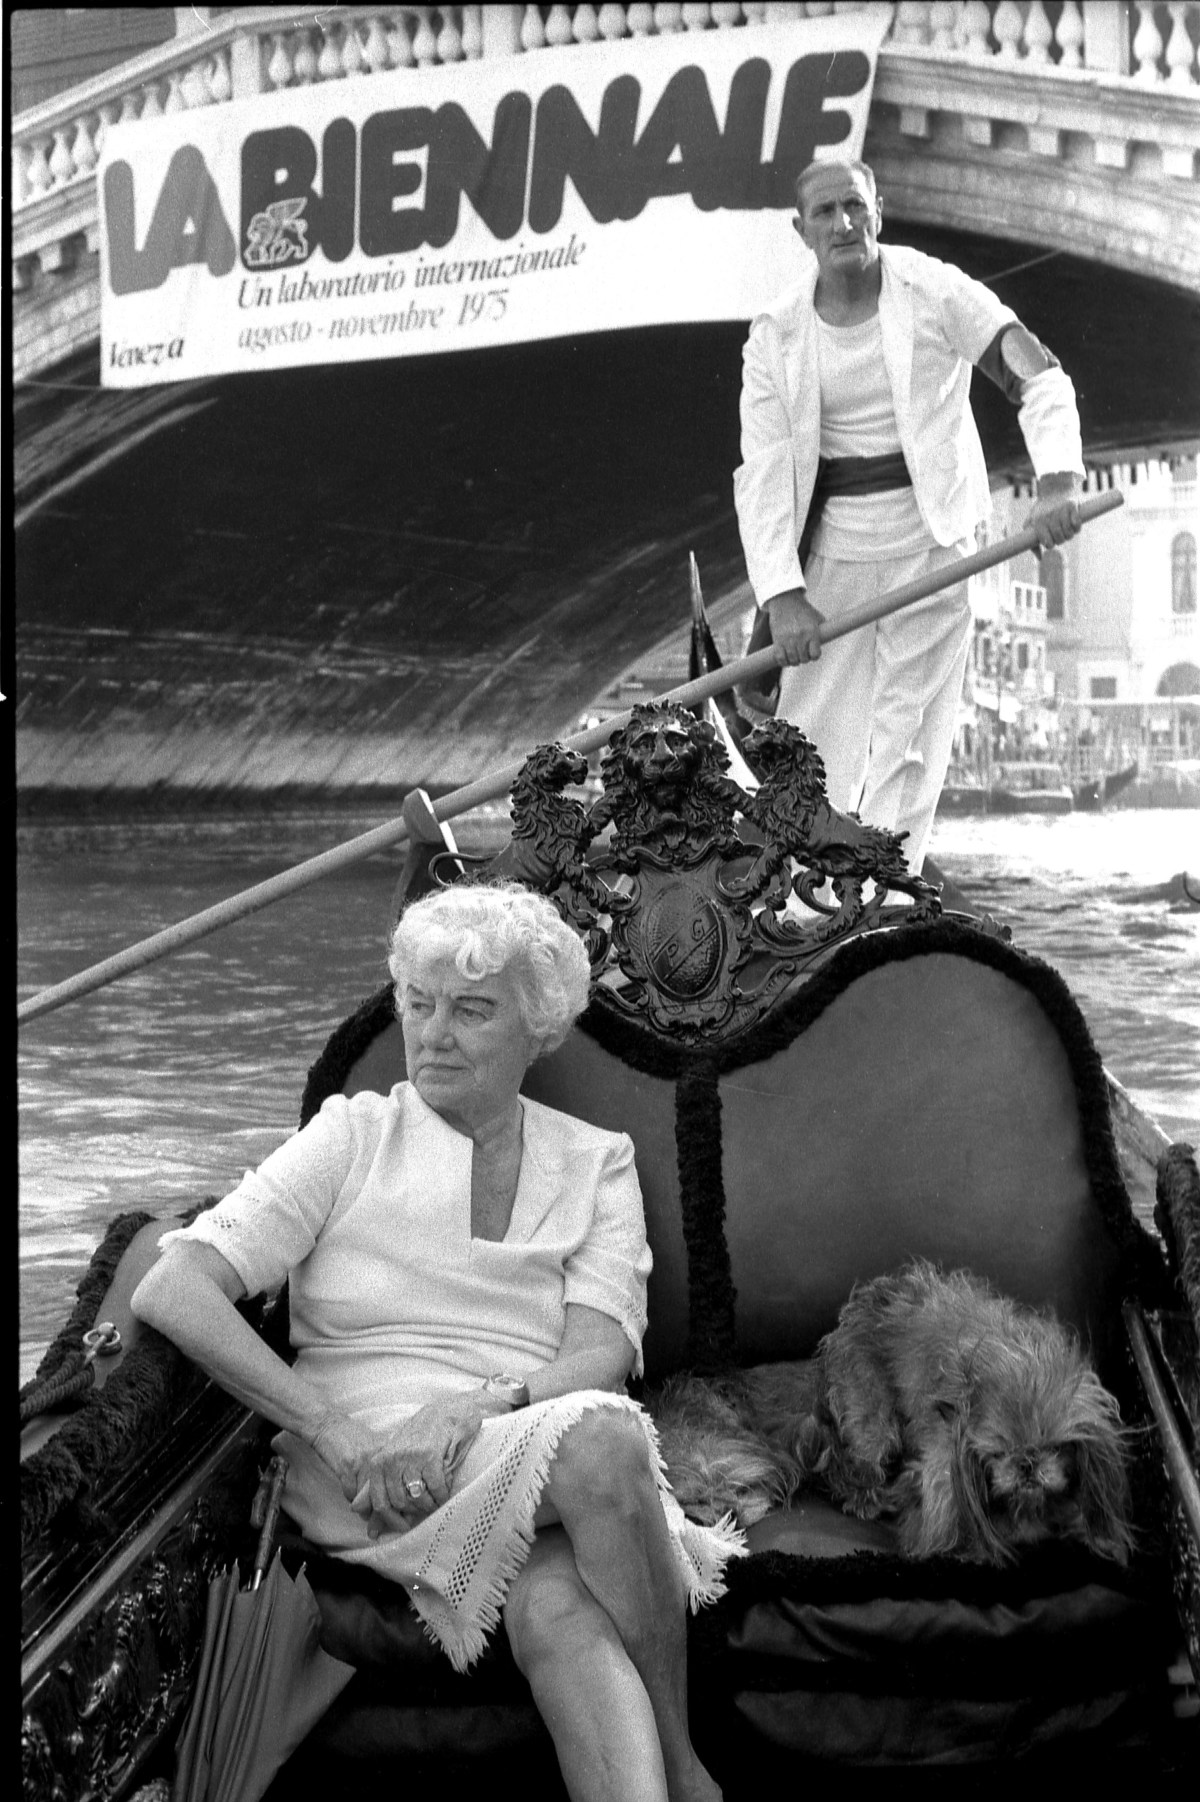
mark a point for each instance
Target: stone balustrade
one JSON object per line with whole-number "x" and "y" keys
{"x": 1096, "y": 87}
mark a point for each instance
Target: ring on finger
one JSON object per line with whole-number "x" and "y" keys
{"x": 415, "y": 1487}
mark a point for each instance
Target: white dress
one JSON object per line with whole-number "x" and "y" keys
{"x": 393, "y": 1304}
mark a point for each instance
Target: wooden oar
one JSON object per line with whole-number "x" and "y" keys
{"x": 491, "y": 787}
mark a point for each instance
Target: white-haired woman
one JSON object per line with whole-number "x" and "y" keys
{"x": 468, "y": 1285}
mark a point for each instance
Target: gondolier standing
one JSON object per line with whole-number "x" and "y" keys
{"x": 862, "y": 469}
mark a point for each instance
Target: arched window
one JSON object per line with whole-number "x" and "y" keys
{"x": 1180, "y": 679}
{"x": 1183, "y": 573}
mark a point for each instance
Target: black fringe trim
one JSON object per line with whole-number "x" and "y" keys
{"x": 712, "y": 1331}
{"x": 863, "y": 1578}
{"x": 67, "y": 1348}
{"x": 117, "y": 1422}
{"x": 353, "y": 1037}
{"x": 1177, "y": 1216}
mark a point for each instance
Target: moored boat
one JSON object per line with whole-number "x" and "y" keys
{"x": 1030, "y": 788}
{"x": 1098, "y": 791}
{"x": 980, "y": 1130}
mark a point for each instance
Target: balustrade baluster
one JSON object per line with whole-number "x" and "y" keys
{"x": 304, "y": 60}
{"x": 1038, "y": 35}
{"x": 424, "y": 42}
{"x": 108, "y": 116}
{"x": 375, "y": 50}
{"x": 400, "y": 50}
{"x": 220, "y": 83}
{"x": 194, "y": 86}
{"x": 151, "y": 104}
{"x": 724, "y": 15}
{"x": 61, "y": 164}
{"x": 83, "y": 151}
{"x": 174, "y": 102}
{"x": 279, "y": 68}
{"x": 353, "y": 62}
{"x": 41, "y": 181}
{"x": 1181, "y": 52}
{"x": 975, "y": 25}
{"x": 449, "y": 38}
{"x": 584, "y": 28}
{"x": 911, "y": 23}
{"x": 329, "y": 62}
{"x": 1147, "y": 47}
{"x": 533, "y": 32}
{"x": 472, "y": 33}
{"x": 129, "y": 108}
{"x": 22, "y": 194}
{"x": 943, "y": 25}
{"x": 611, "y": 20}
{"x": 668, "y": 19}
{"x": 755, "y": 11}
{"x": 1069, "y": 33}
{"x": 558, "y": 28}
{"x": 1006, "y": 28}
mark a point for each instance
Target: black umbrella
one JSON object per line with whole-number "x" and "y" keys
{"x": 263, "y": 1680}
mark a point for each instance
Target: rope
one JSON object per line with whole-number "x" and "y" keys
{"x": 41, "y": 1398}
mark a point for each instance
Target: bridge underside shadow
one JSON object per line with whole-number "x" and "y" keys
{"x": 369, "y": 576}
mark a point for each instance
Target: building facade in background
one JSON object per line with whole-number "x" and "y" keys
{"x": 1091, "y": 655}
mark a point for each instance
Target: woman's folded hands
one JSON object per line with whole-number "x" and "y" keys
{"x": 395, "y": 1480}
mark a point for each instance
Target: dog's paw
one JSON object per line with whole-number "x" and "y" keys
{"x": 866, "y": 1504}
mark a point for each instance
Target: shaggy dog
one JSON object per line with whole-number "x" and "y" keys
{"x": 973, "y": 1420}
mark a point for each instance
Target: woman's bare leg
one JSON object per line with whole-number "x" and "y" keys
{"x": 586, "y": 1689}
{"x": 605, "y": 1493}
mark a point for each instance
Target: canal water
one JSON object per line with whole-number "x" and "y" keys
{"x": 166, "y": 1086}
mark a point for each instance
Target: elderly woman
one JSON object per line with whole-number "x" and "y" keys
{"x": 468, "y": 1287}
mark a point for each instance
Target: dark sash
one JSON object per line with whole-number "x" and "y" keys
{"x": 850, "y": 475}
{"x": 835, "y": 475}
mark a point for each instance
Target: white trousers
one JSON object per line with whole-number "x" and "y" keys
{"x": 880, "y": 703}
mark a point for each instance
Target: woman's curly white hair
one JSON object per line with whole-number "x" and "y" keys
{"x": 488, "y": 927}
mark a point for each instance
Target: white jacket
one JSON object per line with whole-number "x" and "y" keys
{"x": 935, "y": 323}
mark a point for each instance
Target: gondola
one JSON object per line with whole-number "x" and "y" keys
{"x": 1100, "y": 790}
{"x": 731, "y": 999}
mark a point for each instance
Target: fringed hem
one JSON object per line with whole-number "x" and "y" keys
{"x": 702, "y": 1551}
{"x": 703, "y": 1554}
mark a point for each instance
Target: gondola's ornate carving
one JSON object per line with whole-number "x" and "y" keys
{"x": 125, "y": 1674}
{"x": 700, "y": 901}
{"x": 551, "y": 832}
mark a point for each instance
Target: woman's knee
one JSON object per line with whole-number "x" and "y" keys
{"x": 549, "y": 1614}
{"x": 605, "y": 1457}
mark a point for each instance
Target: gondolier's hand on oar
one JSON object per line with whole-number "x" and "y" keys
{"x": 795, "y": 625}
{"x": 1054, "y": 515}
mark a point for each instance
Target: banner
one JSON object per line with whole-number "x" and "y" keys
{"x": 641, "y": 182}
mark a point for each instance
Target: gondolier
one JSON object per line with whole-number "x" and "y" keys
{"x": 862, "y": 469}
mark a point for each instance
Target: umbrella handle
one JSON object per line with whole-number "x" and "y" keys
{"x": 265, "y": 1514}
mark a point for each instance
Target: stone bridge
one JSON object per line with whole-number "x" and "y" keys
{"x": 1072, "y": 125}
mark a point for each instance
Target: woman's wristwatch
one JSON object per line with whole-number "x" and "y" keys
{"x": 513, "y": 1390}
